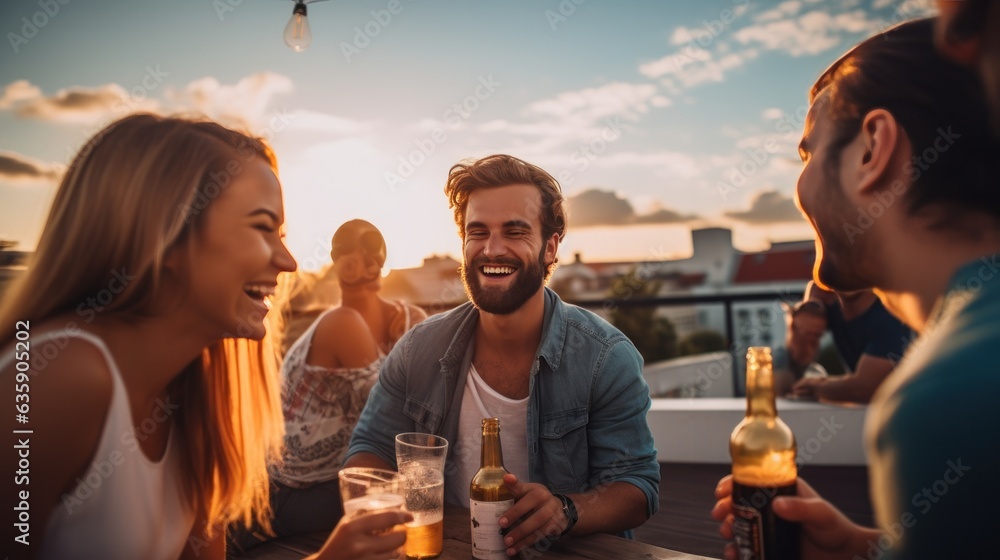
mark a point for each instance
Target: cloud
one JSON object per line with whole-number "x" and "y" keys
{"x": 545, "y": 142}
{"x": 596, "y": 207}
{"x": 664, "y": 216}
{"x": 546, "y": 129}
{"x": 245, "y": 103}
{"x": 16, "y": 168}
{"x": 810, "y": 33}
{"x": 80, "y": 105}
{"x": 772, "y": 113}
{"x": 713, "y": 70}
{"x": 551, "y": 127}
{"x": 673, "y": 63}
{"x": 574, "y": 118}
{"x": 676, "y": 165}
{"x": 703, "y": 57}
{"x": 768, "y": 207}
{"x": 690, "y": 67}
{"x": 324, "y": 122}
{"x": 16, "y": 92}
{"x": 783, "y": 10}
{"x": 589, "y": 105}
{"x": 704, "y": 34}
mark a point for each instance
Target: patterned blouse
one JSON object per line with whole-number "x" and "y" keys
{"x": 321, "y": 407}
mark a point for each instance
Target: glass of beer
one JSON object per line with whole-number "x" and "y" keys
{"x": 421, "y": 458}
{"x": 369, "y": 491}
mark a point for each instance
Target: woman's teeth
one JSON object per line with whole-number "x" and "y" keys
{"x": 259, "y": 291}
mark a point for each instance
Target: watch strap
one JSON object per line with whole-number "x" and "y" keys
{"x": 569, "y": 510}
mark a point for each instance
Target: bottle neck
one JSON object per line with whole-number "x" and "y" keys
{"x": 760, "y": 390}
{"x": 492, "y": 455}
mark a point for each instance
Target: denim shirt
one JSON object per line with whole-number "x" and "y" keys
{"x": 586, "y": 410}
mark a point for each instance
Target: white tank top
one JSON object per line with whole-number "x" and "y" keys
{"x": 124, "y": 506}
{"x": 480, "y": 401}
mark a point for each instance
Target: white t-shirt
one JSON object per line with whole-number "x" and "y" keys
{"x": 480, "y": 401}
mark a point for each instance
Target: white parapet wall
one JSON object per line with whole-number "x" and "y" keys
{"x": 701, "y": 376}
{"x": 697, "y": 430}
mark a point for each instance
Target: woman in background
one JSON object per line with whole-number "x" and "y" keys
{"x": 327, "y": 375}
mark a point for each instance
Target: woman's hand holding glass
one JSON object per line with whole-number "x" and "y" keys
{"x": 374, "y": 536}
{"x": 374, "y": 514}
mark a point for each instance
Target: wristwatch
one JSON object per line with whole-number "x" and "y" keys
{"x": 569, "y": 510}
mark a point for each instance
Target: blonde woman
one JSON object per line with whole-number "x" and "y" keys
{"x": 138, "y": 334}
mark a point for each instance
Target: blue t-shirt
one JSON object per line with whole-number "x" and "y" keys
{"x": 932, "y": 429}
{"x": 876, "y": 332}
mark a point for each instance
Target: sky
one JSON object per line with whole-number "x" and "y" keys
{"x": 655, "y": 116}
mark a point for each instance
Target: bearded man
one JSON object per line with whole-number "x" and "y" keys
{"x": 566, "y": 385}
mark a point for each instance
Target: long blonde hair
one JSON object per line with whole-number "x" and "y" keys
{"x": 136, "y": 190}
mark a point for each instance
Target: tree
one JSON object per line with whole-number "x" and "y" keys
{"x": 653, "y": 336}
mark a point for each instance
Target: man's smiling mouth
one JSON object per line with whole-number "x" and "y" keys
{"x": 497, "y": 271}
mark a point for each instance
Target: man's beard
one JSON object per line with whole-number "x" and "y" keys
{"x": 841, "y": 257}
{"x": 504, "y": 301}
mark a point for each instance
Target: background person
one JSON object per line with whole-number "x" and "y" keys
{"x": 805, "y": 324}
{"x": 326, "y": 377}
{"x": 869, "y": 340}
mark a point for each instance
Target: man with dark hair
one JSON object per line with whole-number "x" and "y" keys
{"x": 566, "y": 385}
{"x": 899, "y": 132}
{"x": 869, "y": 341}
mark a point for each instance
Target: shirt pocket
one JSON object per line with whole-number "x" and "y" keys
{"x": 425, "y": 418}
{"x": 562, "y": 450}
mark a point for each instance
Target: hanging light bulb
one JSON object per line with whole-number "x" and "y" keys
{"x": 298, "y": 36}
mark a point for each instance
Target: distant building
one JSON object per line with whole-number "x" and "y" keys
{"x": 715, "y": 267}
{"x": 709, "y": 266}
{"x": 435, "y": 285}
{"x": 783, "y": 269}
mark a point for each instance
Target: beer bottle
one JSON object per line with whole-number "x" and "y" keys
{"x": 489, "y": 497}
{"x": 763, "y": 452}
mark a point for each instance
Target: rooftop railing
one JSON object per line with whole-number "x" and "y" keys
{"x": 789, "y": 297}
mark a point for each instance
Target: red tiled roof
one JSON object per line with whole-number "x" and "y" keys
{"x": 689, "y": 280}
{"x": 775, "y": 266}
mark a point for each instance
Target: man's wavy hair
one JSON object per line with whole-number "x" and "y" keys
{"x": 501, "y": 170}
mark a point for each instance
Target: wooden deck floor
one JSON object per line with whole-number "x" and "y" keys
{"x": 683, "y": 522}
